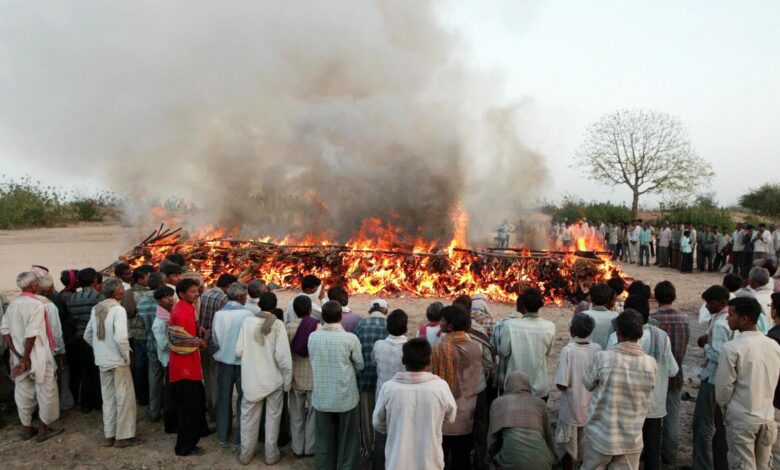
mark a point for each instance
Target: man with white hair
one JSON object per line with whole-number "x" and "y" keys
{"x": 224, "y": 334}
{"x": 255, "y": 289}
{"x": 760, "y": 289}
{"x": 107, "y": 333}
{"x": 27, "y": 335}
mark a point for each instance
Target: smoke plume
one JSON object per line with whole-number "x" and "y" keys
{"x": 278, "y": 117}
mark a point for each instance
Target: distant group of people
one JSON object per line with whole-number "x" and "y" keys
{"x": 354, "y": 389}
{"x": 681, "y": 246}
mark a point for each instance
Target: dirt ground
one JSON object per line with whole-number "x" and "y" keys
{"x": 99, "y": 245}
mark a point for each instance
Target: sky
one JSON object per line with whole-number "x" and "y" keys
{"x": 713, "y": 64}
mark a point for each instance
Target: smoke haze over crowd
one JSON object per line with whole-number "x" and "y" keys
{"x": 350, "y": 109}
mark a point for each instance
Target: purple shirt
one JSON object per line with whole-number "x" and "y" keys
{"x": 349, "y": 321}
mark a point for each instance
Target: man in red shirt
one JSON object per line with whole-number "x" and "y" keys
{"x": 186, "y": 376}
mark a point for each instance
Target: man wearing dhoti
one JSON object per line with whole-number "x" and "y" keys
{"x": 107, "y": 333}
{"x": 29, "y": 337}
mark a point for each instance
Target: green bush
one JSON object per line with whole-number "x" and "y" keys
{"x": 575, "y": 209}
{"x": 765, "y": 200}
{"x": 87, "y": 210}
{"x": 701, "y": 214}
{"x": 26, "y": 203}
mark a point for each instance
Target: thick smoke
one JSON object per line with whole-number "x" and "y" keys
{"x": 278, "y": 117}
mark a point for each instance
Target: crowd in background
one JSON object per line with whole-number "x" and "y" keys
{"x": 680, "y": 246}
{"x": 357, "y": 389}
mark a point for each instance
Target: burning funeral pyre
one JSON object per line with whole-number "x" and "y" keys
{"x": 384, "y": 266}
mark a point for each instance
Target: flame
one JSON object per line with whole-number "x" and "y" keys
{"x": 381, "y": 259}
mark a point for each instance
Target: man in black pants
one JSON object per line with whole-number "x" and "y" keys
{"x": 85, "y": 376}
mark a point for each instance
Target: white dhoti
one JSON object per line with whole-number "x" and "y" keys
{"x": 42, "y": 392}
{"x": 250, "y": 425}
{"x": 116, "y": 386}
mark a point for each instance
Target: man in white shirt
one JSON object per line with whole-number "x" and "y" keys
{"x": 633, "y": 241}
{"x": 32, "y": 363}
{"x": 266, "y": 373}
{"x": 761, "y": 242}
{"x": 761, "y": 289}
{"x": 602, "y": 299}
{"x": 776, "y": 241}
{"x": 224, "y": 334}
{"x": 107, "y": 334}
{"x": 525, "y": 343}
{"x": 709, "y": 434}
{"x": 664, "y": 242}
{"x": 255, "y": 289}
{"x": 745, "y": 384}
{"x": 738, "y": 250}
{"x": 311, "y": 286}
{"x": 411, "y": 409}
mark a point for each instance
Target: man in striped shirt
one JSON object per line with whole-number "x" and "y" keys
{"x": 621, "y": 381}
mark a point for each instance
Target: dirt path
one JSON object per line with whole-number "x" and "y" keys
{"x": 99, "y": 245}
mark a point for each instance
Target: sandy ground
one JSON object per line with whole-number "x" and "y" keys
{"x": 99, "y": 245}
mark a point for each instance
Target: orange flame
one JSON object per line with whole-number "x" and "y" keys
{"x": 383, "y": 260}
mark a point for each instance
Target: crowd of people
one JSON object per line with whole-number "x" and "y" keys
{"x": 680, "y": 246}
{"x": 358, "y": 389}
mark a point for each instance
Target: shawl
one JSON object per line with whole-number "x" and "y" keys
{"x": 631, "y": 348}
{"x": 101, "y": 312}
{"x": 162, "y": 314}
{"x": 181, "y": 342}
{"x": 413, "y": 377}
{"x": 479, "y": 305}
{"x": 443, "y": 359}
{"x": 517, "y": 408}
{"x": 432, "y": 324}
{"x": 263, "y": 329}
{"x": 478, "y": 334}
{"x": 49, "y": 332}
{"x": 72, "y": 283}
{"x": 300, "y": 342}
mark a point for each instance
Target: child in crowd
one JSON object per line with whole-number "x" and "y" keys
{"x": 574, "y": 360}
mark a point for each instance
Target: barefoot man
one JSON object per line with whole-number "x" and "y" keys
{"x": 29, "y": 338}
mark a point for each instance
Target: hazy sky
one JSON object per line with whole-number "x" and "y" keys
{"x": 713, "y": 64}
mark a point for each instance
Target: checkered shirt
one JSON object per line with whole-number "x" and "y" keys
{"x": 335, "y": 358}
{"x": 369, "y": 331}
{"x": 675, "y": 324}
{"x": 210, "y": 303}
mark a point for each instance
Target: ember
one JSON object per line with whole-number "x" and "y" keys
{"x": 386, "y": 266}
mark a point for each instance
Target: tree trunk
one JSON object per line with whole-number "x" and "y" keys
{"x": 635, "y": 205}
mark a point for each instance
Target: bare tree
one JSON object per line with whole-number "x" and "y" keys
{"x": 647, "y": 151}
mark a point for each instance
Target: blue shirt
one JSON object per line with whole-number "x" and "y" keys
{"x": 646, "y": 236}
{"x": 225, "y": 329}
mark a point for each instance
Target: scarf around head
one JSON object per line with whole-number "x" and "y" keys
{"x": 300, "y": 342}
{"x": 263, "y": 329}
{"x": 517, "y": 408}
{"x": 72, "y": 283}
{"x": 101, "y": 312}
